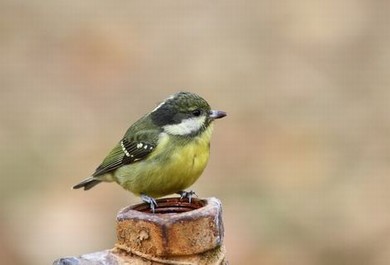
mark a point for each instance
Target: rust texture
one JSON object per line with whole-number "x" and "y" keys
{"x": 178, "y": 232}
{"x": 168, "y": 234}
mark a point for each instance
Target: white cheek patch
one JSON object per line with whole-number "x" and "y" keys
{"x": 186, "y": 127}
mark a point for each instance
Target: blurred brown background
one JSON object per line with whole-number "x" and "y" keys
{"x": 301, "y": 163}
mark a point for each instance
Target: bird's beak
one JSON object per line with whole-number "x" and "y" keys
{"x": 217, "y": 114}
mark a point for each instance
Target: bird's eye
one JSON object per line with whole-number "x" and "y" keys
{"x": 196, "y": 112}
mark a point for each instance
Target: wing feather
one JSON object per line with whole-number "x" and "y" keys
{"x": 127, "y": 152}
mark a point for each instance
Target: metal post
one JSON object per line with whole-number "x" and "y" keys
{"x": 177, "y": 233}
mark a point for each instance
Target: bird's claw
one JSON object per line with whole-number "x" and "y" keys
{"x": 149, "y": 200}
{"x": 187, "y": 194}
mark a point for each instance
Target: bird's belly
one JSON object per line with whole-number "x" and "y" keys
{"x": 158, "y": 176}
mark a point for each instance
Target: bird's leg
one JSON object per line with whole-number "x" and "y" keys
{"x": 149, "y": 200}
{"x": 186, "y": 194}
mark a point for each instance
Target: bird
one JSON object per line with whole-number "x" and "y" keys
{"x": 162, "y": 153}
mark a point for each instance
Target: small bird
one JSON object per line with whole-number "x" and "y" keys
{"x": 162, "y": 153}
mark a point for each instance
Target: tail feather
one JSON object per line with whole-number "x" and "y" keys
{"x": 87, "y": 183}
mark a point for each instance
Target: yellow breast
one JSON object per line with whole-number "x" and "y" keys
{"x": 172, "y": 167}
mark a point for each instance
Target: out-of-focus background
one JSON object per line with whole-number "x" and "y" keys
{"x": 301, "y": 163}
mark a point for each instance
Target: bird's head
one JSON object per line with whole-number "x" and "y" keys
{"x": 184, "y": 114}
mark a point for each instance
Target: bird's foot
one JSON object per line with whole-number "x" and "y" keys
{"x": 187, "y": 194}
{"x": 149, "y": 200}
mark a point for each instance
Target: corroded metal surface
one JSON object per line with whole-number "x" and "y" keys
{"x": 178, "y": 232}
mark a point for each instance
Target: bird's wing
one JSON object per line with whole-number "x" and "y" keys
{"x": 128, "y": 151}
